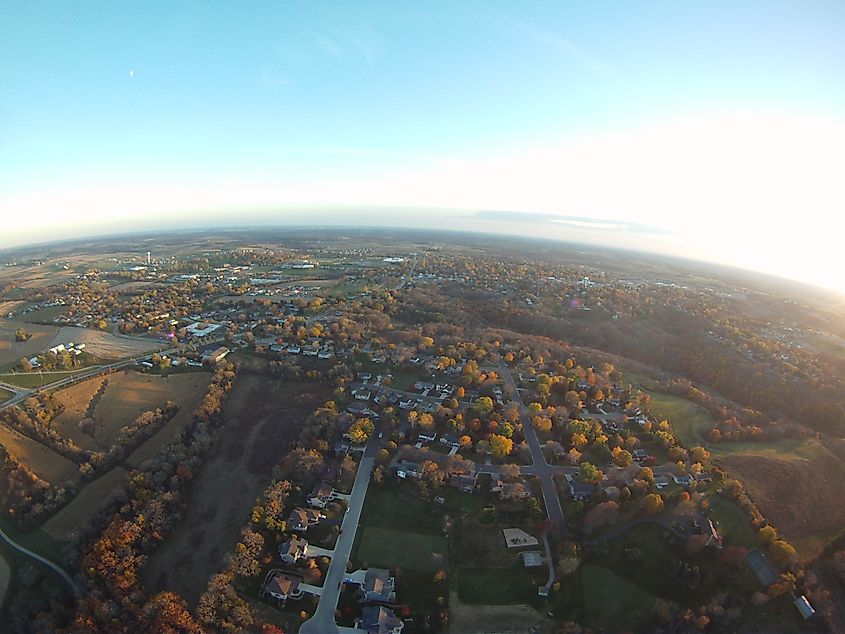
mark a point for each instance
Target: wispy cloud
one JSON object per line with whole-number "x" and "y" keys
{"x": 328, "y": 46}
{"x": 269, "y": 77}
{"x": 500, "y": 20}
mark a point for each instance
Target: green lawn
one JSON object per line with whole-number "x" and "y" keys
{"x": 613, "y": 603}
{"x": 5, "y": 395}
{"x": 389, "y": 548}
{"x": 650, "y": 558}
{"x": 689, "y": 420}
{"x": 734, "y": 526}
{"x": 393, "y": 505}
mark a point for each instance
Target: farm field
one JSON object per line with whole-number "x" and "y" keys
{"x": 62, "y": 526}
{"x": 44, "y": 462}
{"x": 11, "y": 351}
{"x": 128, "y": 394}
{"x": 76, "y": 399}
{"x": 104, "y": 344}
{"x": 263, "y": 416}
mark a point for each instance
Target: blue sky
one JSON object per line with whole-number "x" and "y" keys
{"x": 118, "y": 113}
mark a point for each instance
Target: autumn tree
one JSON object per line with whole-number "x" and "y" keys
{"x": 500, "y": 446}
{"x": 601, "y": 515}
{"x": 542, "y": 424}
{"x": 652, "y": 503}
{"x": 767, "y": 535}
{"x": 360, "y": 431}
{"x": 245, "y": 559}
{"x": 782, "y": 552}
{"x": 622, "y": 458}
{"x": 590, "y": 473}
{"x": 483, "y": 405}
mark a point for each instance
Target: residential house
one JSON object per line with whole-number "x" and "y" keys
{"x": 341, "y": 447}
{"x": 283, "y": 586}
{"x": 293, "y": 550}
{"x": 580, "y": 490}
{"x": 362, "y": 395}
{"x": 300, "y": 519}
{"x": 321, "y": 495}
{"x": 378, "y": 586}
{"x": 450, "y": 440}
{"x": 683, "y": 480}
{"x": 358, "y": 409}
{"x": 640, "y": 455}
{"x": 465, "y": 483}
{"x": 426, "y": 436}
{"x": 407, "y": 470}
{"x": 661, "y": 482}
{"x": 380, "y": 620}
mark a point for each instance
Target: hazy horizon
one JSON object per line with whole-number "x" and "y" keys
{"x": 720, "y": 126}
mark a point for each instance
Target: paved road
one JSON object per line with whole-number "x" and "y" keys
{"x": 323, "y": 620}
{"x": 65, "y": 576}
{"x": 408, "y": 275}
{"x": 23, "y": 393}
{"x": 543, "y": 470}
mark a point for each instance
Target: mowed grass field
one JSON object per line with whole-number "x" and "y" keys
{"x": 386, "y": 548}
{"x": 689, "y": 420}
{"x": 63, "y": 525}
{"x": 613, "y": 603}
